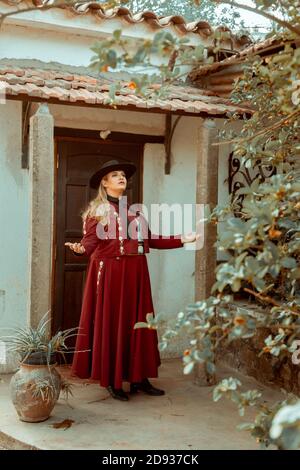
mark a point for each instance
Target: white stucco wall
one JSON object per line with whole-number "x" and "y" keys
{"x": 102, "y": 119}
{"x": 14, "y": 209}
{"x": 172, "y": 271}
{"x": 59, "y": 36}
{"x": 83, "y": 26}
{"x": 45, "y": 45}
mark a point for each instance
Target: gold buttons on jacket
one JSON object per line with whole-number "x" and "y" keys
{"x": 120, "y": 236}
{"x": 99, "y": 271}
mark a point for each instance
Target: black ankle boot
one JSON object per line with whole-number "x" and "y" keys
{"x": 146, "y": 387}
{"x": 117, "y": 393}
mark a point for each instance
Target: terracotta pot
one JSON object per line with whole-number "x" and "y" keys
{"x": 32, "y": 406}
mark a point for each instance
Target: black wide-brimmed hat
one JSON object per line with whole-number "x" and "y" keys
{"x": 112, "y": 165}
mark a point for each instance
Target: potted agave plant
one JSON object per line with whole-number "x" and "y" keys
{"x": 36, "y": 386}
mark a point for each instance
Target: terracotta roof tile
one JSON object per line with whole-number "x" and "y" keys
{"x": 17, "y": 72}
{"x": 57, "y": 85}
{"x": 100, "y": 97}
{"x": 262, "y": 47}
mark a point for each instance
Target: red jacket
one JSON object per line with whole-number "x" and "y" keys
{"x": 112, "y": 240}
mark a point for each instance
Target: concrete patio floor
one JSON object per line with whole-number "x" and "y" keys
{"x": 185, "y": 418}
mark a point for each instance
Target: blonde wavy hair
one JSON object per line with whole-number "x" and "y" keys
{"x": 98, "y": 207}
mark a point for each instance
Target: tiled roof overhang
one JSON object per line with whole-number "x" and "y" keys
{"x": 58, "y": 86}
{"x": 263, "y": 48}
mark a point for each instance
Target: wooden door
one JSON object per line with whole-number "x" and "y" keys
{"x": 77, "y": 160}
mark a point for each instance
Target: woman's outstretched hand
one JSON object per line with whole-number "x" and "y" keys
{"x": 77, "y": 247}
{"x": 189, "y": 237}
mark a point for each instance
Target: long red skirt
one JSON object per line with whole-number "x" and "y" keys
{"x": 117, "y": 294}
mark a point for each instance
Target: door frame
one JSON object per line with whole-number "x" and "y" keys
{"x": 91, "y": 136}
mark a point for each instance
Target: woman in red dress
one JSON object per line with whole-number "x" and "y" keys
{"x": 117, "y": 291}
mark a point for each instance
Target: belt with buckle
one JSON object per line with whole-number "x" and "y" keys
{"x": 133, "y": 254}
